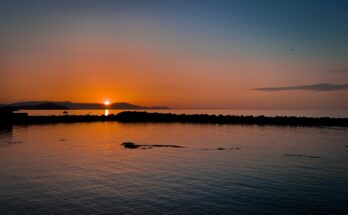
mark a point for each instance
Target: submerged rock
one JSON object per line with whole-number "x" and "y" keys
{"x": 172, "y": 146}
{"x": 314, "y": 156}
{"x": 130, "y": 145}
{"x": 294, "y": 155}
{"x": 220, "y": 148}
{"x": 301, "y": 155}
{"x": 14, "y": 142}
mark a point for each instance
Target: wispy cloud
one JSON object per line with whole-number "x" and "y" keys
{"x": 313, "y": 87}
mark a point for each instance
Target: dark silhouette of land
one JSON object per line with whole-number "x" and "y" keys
{"x": 8, "y": 117}
{"x": 50, "y": 105}
{"x": 144, "y": 117}
{"x": 43, "y": 106}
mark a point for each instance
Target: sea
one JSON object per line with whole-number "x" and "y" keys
{"x": 82, "y": 168}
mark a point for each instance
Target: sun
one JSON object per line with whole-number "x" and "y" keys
{"x": 106, "y": 102}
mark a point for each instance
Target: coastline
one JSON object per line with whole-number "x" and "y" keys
{"x": 146, "y": 117}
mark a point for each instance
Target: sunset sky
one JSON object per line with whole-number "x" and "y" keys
{"x": 182, "y": 54}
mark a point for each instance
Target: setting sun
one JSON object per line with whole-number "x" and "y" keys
{"x": 106, "y": 102}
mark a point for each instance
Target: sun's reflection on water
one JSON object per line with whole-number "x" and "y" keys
{"x": 106, "y": 112}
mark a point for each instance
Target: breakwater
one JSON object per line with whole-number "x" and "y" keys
{"x": 134, "y": 117}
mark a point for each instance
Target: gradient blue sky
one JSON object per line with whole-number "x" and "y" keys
{"x": 187, "y": 54}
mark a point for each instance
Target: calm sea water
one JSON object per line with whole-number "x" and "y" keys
{"x": 80, "y": 168}
{"x": 255, "y": 112}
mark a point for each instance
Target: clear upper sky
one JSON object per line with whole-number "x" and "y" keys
{"x": 186, "y": 54}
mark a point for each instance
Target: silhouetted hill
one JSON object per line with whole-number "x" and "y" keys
{"x": 43, "y": 106}
{"x": 49, "y": 105}
{"x": 123, "y": 105}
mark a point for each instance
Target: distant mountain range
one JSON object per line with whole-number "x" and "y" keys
{"x": 49, "y": 105}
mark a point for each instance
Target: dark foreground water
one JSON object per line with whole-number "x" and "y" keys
{"x": 82, "y": 169}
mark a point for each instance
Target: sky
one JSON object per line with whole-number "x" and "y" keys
{"x": 181, "y": 54}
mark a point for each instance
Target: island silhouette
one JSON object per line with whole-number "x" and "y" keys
{"x": 52, "y": 105}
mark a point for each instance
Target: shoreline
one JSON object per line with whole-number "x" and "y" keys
{"x": 147, "y": 117}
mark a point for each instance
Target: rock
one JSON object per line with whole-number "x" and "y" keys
{"x": 314, "y": 156}
{"x": 14, "y": 142}
{"x": 130, "y": 145}
{"x": 294, "y": 155}
{"x": 172, "y": 146}
{"x": 301, "y": 155}
{"x": 220, "y": 148}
